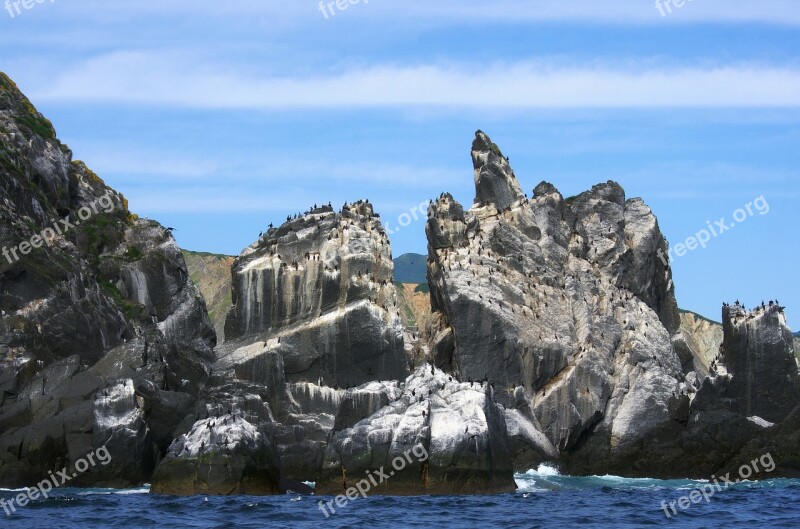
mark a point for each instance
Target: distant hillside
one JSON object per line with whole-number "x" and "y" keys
{"x": 703, "y": 336}
{"x": 415, "y": 304}
{"x": 411, "y": 268}
{"x": 212, "y": 275}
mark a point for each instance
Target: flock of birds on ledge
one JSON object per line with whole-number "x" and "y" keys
{"x": 758, "y": 308}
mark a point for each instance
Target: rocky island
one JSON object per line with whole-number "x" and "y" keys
{"x": 553, "y": 337}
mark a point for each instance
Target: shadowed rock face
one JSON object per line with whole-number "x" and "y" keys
{"x": 103, "y": 338}
{"x": 758, "y": 352}
{"x": 565, "y": 301}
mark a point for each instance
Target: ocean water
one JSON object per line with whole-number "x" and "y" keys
{"x": 544, "y": 499}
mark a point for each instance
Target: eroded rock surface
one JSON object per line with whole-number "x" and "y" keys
{"x": 562, "y": 303}
{"x": 554, "y": 336}
{"x": 435, "y": 436}
{"x": 758, "y": 353}
{"x": 104, "y": 340}
{"x": 567, "y": 305}
{"x": 314, "y": 313}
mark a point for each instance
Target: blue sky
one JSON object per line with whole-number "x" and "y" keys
{"x": 218, "y": 118}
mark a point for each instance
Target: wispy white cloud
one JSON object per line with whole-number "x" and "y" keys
{"x": 140, "y": 78}
{"x": 150, "y": 165}
{"x": 106, "y": 158}
{"x": 210, "y": 200}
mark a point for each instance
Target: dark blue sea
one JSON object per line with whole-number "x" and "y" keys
{"x": 544, "y": 499}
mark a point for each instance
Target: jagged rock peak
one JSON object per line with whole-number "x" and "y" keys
{"x": 495, "y": 182}
{"x": 562, "y": 302}
{"x": 545, "y": 188}
{"x": 99, "y": 320}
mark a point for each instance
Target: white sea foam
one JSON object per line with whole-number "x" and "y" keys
{"x": 537, "y": 480}
{"x": 547, "y": 478}
{"x": 545, "y": 470}
{"x": 117, "y": 492}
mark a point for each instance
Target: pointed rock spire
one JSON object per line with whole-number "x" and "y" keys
{"x": 495, "y": 182}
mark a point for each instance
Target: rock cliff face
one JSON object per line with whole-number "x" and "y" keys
{"x": 103, "y": 337}
{"x": 725, "y": 424}
{"x": 567, "y": 306}
{"x": 554, "y": 336}
{"x": 314, "y": 314}
{"x": 319, "y": 291}
{"x": 758, "y": 353}
{"x": 315, "y": 370}
{"x": 562, "y": 303}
